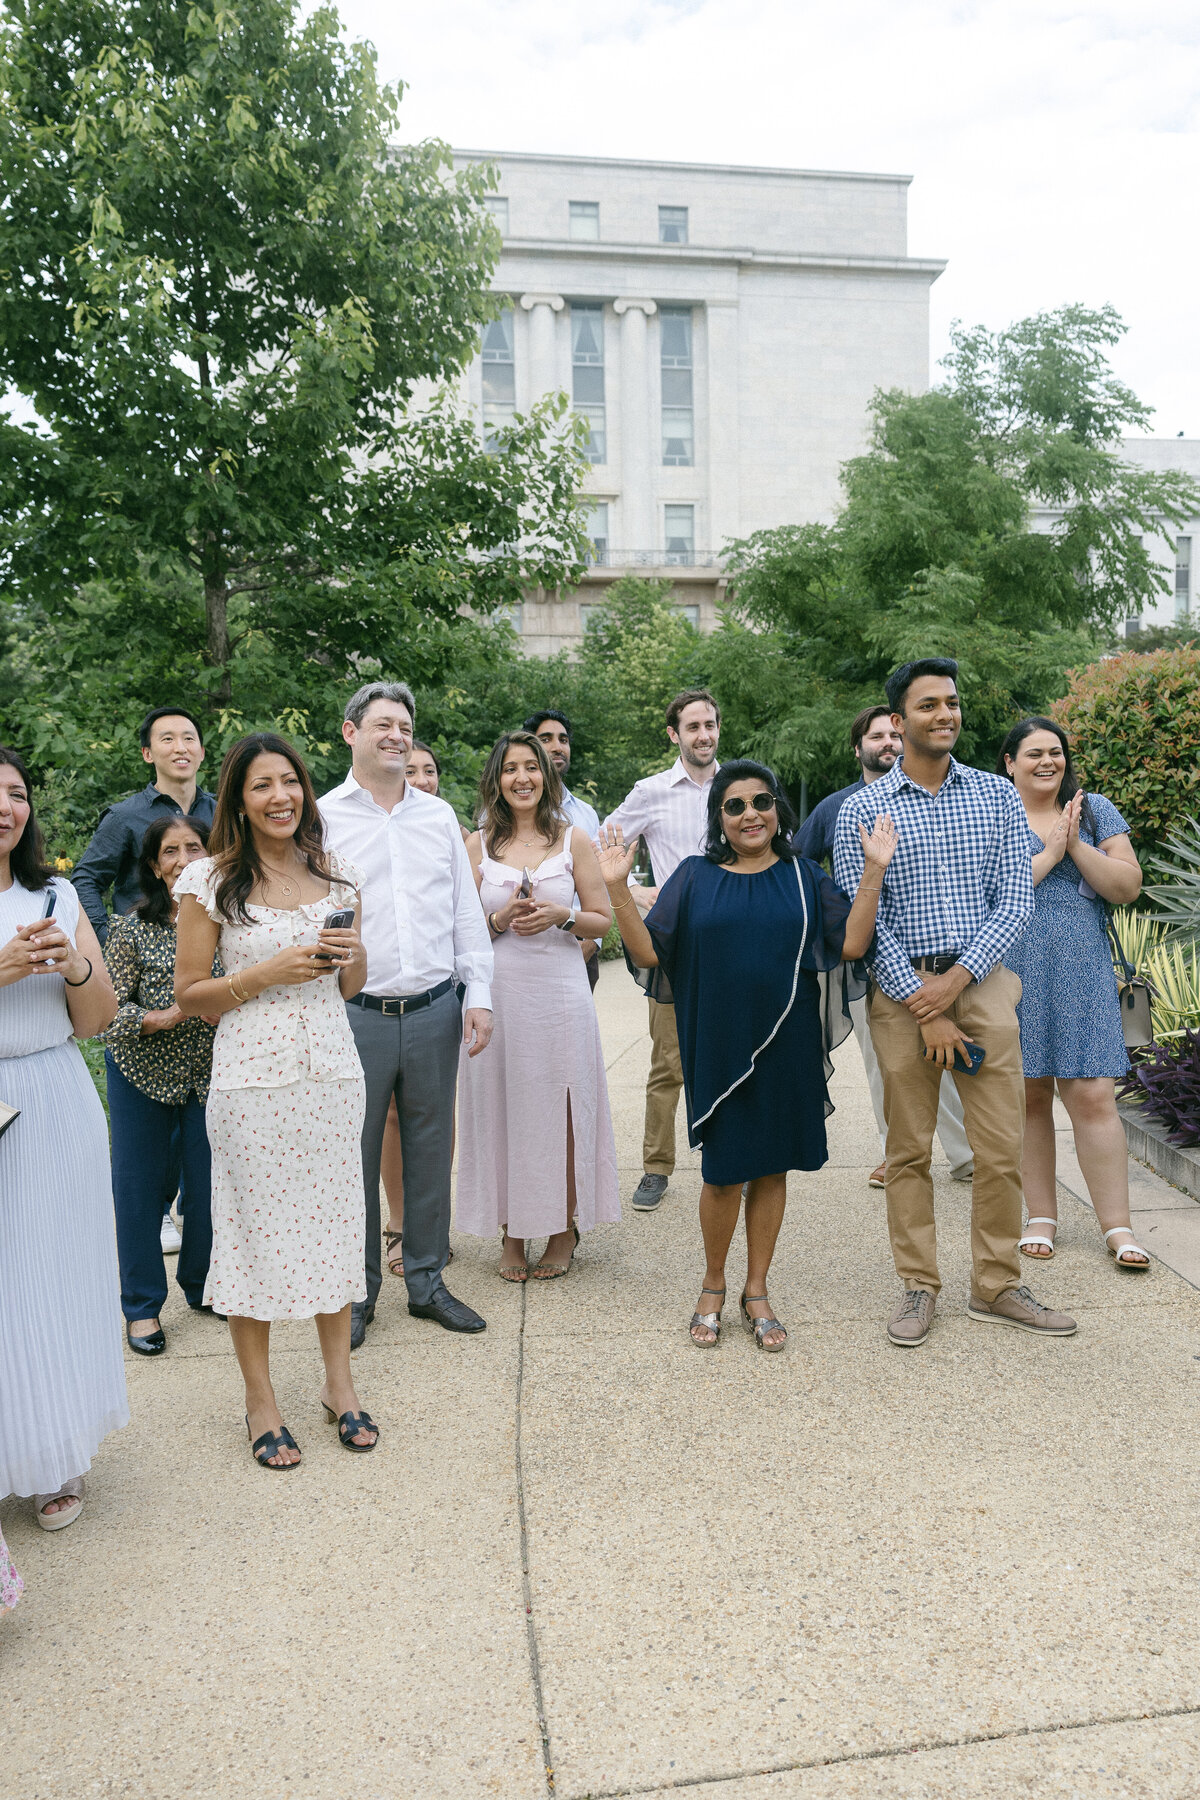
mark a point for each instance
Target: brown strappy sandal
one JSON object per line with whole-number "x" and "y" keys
{"x": 395, "y": 1252}
{"x": 515, "y": 1272}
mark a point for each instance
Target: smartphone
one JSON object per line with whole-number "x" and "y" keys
{"x": 973, "y": 1062}
{"x": 337, "y": 921}
{"x": 525, "y": 890}
{"x": 51, "y": 899}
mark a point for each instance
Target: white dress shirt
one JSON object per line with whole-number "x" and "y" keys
{"x": 580, "y": 813}
{"x": 421, "y": 917}
{"x": 671, "y": 813}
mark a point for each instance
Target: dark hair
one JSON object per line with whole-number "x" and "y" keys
{"x": 231, "y": 844}
{"x": 689, "y": 698}
{"x": 1070, "y": 784}
{"x": 27, "y": 858}
{"x": 493, "y": 810}
{"x": 431, "y": 754}
{"x": 862, "y": 722}
{"x": 155, "y": 904}
{"x": 168, "y": 712}
{"x": 900, "y": 680}
{"x": 535, "y": 721}
{"x": 742, "y": 769}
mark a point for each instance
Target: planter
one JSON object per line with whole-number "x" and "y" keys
{"x": 1147, "y": 1141}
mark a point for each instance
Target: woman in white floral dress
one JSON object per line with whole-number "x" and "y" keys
{"x": 285, "y": 1107}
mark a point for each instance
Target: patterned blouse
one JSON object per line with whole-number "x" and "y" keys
{"x": 166, "y": 1065}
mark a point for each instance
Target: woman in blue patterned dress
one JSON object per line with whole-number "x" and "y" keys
{"x": 1069, "y": 1012}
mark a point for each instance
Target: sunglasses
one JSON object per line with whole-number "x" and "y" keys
{"x": 762, "y": 803}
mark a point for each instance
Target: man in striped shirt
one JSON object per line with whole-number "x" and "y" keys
{"x": 956, "y": 896}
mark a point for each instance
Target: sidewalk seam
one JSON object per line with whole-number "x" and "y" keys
{"x": 535, "y": 1667}
{"x": 925, "y": 1746}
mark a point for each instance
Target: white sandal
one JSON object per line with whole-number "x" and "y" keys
{"x": 1118, "y": 1255}
{"x": 1032, "y": 1238}
{"x": 70, "y": 1490}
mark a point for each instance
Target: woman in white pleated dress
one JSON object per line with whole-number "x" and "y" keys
{"x": 536, "y": 1152}
{"x": 62, "y": 1367}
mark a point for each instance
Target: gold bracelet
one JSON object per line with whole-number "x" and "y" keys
{"x": 617, "y": 904}
{"x": 237, "y": 991}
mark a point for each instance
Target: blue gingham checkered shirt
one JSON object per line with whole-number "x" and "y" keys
{"x": 961, "y": 881}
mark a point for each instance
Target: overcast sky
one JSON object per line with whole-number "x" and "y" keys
{"x": 1053, "y": 145}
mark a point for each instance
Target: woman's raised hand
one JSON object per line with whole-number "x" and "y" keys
{"x": 1066, "y": 829}
{"x": 614, "y": 855}
{"x": 1073, "y": 813}
{"x": 880, "y": 846}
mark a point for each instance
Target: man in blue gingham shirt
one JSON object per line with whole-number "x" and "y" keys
{"x": 956, "y": 896}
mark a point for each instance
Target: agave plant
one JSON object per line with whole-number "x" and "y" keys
{"x": 1177, "y": 899}
{"x": 1174, "y": 971}
{"x": 1138, "y": 933}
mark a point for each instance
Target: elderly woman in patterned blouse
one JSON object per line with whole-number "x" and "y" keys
{"x": 158, "y": 1064}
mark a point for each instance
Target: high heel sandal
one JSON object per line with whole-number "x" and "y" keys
{"x": 555, "y": 1271}
{"x": 394, "y": 1242}
{"x": 515, "y": 1272}
{"x": 350, "y": 1422}
{"x": 708, "y": 1322}
{"x": 759, "y": 1328}
{"x": 270, "y": 1444}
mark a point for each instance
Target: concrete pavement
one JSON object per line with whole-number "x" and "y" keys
{"x": 588, "y": 1560}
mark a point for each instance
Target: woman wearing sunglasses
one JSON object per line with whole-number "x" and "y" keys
{"x": 741, "y": 938}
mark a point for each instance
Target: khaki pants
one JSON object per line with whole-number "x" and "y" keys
{"x": 662, "y": 1092}
{"x": 951, "y": 1135}
{"x": 993, "y": 1103}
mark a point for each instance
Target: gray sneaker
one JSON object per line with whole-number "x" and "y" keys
{"x": 909, "y": 1324}
{"x": 648, "y": 1193}
{"x": 1018, "y": 1307}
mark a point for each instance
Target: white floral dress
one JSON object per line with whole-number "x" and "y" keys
{"x": 285, "y": 1115}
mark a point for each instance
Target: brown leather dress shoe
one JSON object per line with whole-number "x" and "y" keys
{"x": 1019, "y": 1308}
{"x": 878, "y": 1177}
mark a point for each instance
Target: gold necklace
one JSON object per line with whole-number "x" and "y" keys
{"x": 287, "y": 889}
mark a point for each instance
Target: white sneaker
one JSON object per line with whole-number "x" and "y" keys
{"x": 169, "y": 1236}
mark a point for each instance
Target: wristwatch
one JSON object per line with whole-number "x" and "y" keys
{"x": 568, "y": 923}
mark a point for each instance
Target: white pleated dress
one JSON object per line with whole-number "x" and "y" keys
{"x": 62, "y": 1369}
{"x": 512, "y": 1118}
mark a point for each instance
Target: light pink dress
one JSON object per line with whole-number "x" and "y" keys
{"x": 512, "y": 1115}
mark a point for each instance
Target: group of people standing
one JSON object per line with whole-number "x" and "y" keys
{"x": 294, "y": 992}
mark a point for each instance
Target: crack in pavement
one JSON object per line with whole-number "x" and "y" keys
{"x": 535, "y": 1667}
{"x": 884, "y": 1754}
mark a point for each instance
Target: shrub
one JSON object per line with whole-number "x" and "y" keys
{"x": 1166, "y": 1084}
{"x": 1134, "y": 724}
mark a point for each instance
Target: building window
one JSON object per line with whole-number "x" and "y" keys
{"x": 587, "y": 375}
{"x": 497, "y": 205}
{"x": 1183, "y": 577}
{"x": 1132, "y": 627}
{"x": 583, "y": 220}
{"x": 672, "y": 225}
{"x": 499, "y": 377}
{"x": 588, "y": 612}
{"x": 680, "y": 524}
{"x": 678, "y": 433}
{"x": 692, "y": 615}
{"x": 596, "y": 525}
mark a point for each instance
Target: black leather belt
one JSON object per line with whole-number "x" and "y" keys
{"x": 935, "y": 965}
{"x": 393, "y": 1004}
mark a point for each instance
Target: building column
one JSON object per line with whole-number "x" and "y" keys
{"x": 543, "y": 350}
{"x": 724, "y": 499}
{"x": 638, "y": 531}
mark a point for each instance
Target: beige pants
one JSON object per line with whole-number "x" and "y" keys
{"x": 662, "y": 1092}
{"x": 993, "y": 1103}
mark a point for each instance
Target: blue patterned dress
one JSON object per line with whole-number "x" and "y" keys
{"x": 1069, "y": 1012}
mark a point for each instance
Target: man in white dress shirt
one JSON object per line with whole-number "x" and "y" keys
{"x": 424, "y": 933}
{"x": 670, "y": 813}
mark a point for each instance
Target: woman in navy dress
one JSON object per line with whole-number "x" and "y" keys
{"x": 744, "y": 938}
{"x": 1069, "y": 1012}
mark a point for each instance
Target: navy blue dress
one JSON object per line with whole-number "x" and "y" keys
{"x": 748, "y": 960}
{"x": 1069, "y": 1011}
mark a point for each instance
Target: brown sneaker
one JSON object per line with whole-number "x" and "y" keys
{"x": 1018, "y": 1307}
{"x": 878, "y": 1177}
{"x": 909, "y": 1324}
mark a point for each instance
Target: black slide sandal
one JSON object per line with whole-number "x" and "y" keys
{"x": 348, "y": 1424}
{"x": 270, "y": 1444}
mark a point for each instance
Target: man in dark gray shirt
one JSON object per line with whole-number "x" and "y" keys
{"x": 173, "y": 744}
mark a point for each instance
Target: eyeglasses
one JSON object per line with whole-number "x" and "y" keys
{"x": 762, "y": 803}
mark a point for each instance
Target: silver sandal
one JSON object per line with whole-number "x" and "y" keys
{"x": 708, "y": 1322}
{"x": 760, "y": 1327}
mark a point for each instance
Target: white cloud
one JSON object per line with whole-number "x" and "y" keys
{"x": 1053, "y": 145}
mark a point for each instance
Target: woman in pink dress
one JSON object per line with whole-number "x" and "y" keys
{"x": 536, "y": 1150}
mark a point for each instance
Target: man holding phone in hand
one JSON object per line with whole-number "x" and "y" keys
{"x": 956, "y": 896}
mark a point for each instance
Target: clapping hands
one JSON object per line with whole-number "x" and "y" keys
{"x": 1065, "y": 834}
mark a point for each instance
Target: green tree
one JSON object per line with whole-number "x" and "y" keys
{"x": 225, "y": 293}
{"x": 935, "y": 551}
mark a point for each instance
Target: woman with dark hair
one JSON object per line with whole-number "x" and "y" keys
{"x": 286, "y": 1100}
{"x": 423, "y": 770}
{"x": 157, "y": 1065}
{"x": 1069, "y": 1013}
{"x": 536, "y": 1150}
{"x": 740, "y": 938}
{"x": 62, "y": 1375}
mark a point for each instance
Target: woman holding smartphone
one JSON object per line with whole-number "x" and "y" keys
{"x": 62, "y": 1374}
{"x": 286, "y": 1101}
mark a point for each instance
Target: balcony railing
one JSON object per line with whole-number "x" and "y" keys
{"x": 604, "y": 558}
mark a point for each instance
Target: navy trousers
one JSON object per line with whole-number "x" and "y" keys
{"x": 142, "y": 1158}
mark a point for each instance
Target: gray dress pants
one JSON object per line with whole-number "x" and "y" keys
{"x": 414, "y": 1056}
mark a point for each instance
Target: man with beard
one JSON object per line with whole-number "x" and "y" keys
{"x": 669, "y": 812}
{"x": 876, "y": 745}
{"x": 553, "y": 731}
